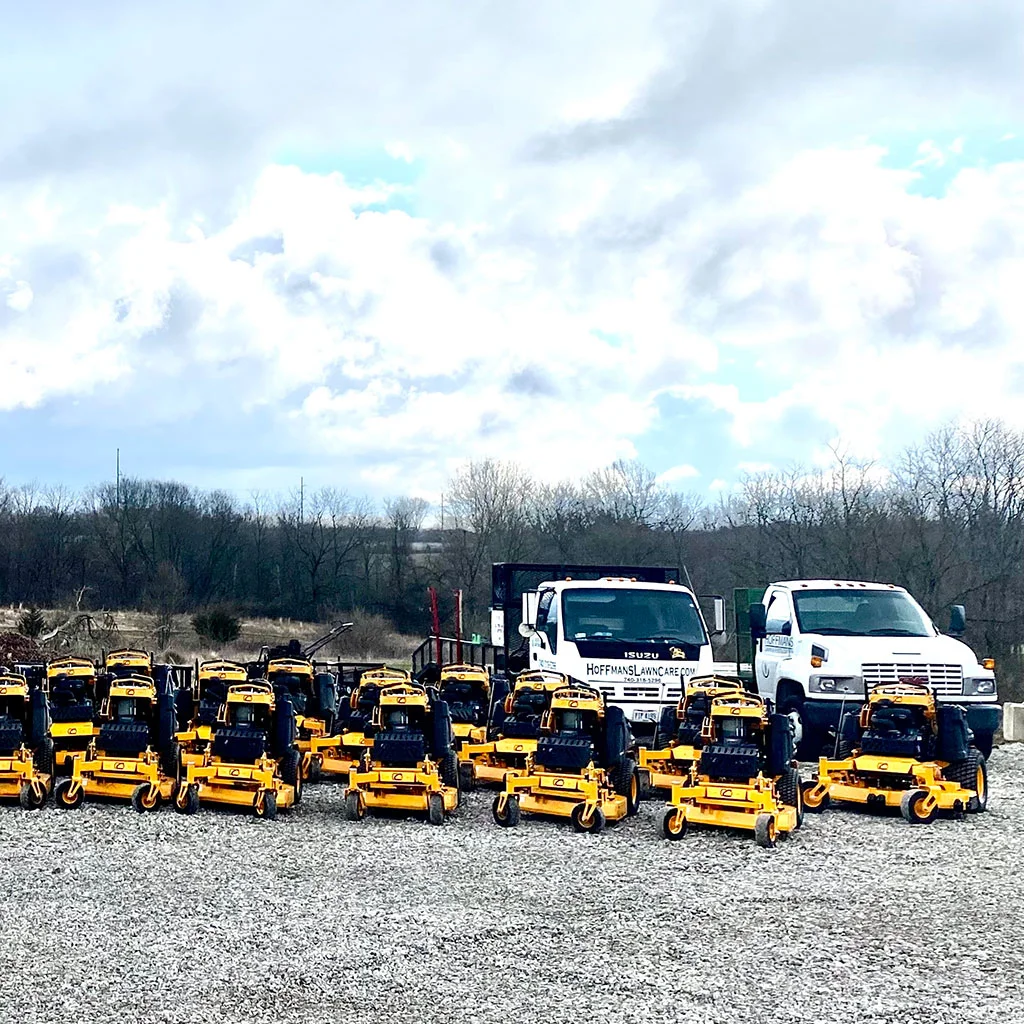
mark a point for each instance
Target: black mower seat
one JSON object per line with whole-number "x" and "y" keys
{"x": 565, "y": 753}
{"x": 123, "y": 738}
{"x": 399, "y": 748}
{"x": 12, "y": 735}
{"x": 82, "y": 712}
{"x": 894, "y": 730}
{"x": 238, "y": 746}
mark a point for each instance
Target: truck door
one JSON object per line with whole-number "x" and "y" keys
{"x": 544, "y": 642}
{"x": 778, "y": 643}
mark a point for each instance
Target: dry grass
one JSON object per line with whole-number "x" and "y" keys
{"x": 372, "y": 639}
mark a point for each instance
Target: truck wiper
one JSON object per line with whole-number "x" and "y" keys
{"x": 892, "y": 631}
{"x": 833, "y": 631}
{"x": 661, "y": 636}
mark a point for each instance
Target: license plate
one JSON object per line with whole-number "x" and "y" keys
{"x": 645, "y": 716}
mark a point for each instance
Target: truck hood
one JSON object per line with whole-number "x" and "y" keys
{"x": 945, "y": 650}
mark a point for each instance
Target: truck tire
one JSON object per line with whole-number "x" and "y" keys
{"x": 809, "y": 740}
{"x": 971, "y": 773}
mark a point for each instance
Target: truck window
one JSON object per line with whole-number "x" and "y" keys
{"x": 778, "y": 614}
{"x": 631, "y": 615}
{"x": 547, "y": 618}
{"x": 860, "y": 613}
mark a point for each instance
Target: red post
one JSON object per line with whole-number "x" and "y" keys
{"x": 458, "y": 626}
{"x": 435, "y": 623}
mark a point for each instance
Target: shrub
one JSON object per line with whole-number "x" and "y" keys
{"x": 217, "y": 625}
{"x": 31, "y": 623}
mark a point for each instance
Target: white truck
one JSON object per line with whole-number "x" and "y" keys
{"x": 822, "y": 644}
{"x": 636, "y": 640}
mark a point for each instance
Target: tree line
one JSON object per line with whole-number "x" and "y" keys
{"x": 944, "y": 519}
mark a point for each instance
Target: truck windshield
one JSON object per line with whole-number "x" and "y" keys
{"x": 859, "y": 613}
{"x": 631, "y": 615}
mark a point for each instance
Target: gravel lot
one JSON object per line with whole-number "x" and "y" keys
{"x": 112, "y": 916}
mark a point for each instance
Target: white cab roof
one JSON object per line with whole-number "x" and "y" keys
{"x": 835, "y": 585}
{"x": 613, "y": 583}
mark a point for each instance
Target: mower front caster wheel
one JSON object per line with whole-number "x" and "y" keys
{"x": 435, "y": 808}
{"x": 765, "y": 831}
{"x": 814, "y": 803}
{"x": 266, "y": 808}
{"x": 62, "y": 795}
{"x": 582, "y": 822}
{"x": 673, "y": 824}
{"x": 31, "y": 798}
{"x": 510, "y": 816}
{"x": 467, "y": 777}
{"x": 186, "y": 801}
{"x": 145, "y": 798}
{"x": 352, "y": 808}
{"x": 912, "y": 809}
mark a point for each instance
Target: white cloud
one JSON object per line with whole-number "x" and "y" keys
{"x": 675, "y": 474}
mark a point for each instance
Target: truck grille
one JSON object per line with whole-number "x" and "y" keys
{"x": 945, "y": 680}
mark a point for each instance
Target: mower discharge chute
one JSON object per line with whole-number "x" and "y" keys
{"x": 252, "y": 760}
{"x": 26, "y": 750}
{"x": 72, "y": 693}
{"x": 199, "y": 706}
{"x": 314, "y": 697}
{"x": 513, "y": 729}
{"x": 679, "y": 736}
{"x": 133, "y": 755}
{"x": 581, "y": 768}
{"x": 745, "y": 776}
{"x": 412, "y": 764}
{"x": 337, "y": 755}
{"x": 903, "y": 750}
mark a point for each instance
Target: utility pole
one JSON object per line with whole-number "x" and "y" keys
{"x": 302, "y": 499}
{"x": 117, "y": 478}
{"x": 442, "y": 512}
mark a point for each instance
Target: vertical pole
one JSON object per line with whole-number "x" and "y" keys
{"x": 458, "y": 626}
{"x": 117, "y": 478}
{"x": 302, "y": 499}
{"x": 435, "y": 623}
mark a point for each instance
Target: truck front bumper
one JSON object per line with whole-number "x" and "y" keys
{"x": 826, "y": 714}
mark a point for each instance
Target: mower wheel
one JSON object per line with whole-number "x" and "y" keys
{"x": 971, "y": 773}
{"x": 267, "y": 807}
{"x": 511, "y": 815}
{"x": 592, "y": 824}
{"x": 186, "y": 800}
{"x": 291, "y": 772}
{"x": 42, "y": 760}
{"x": 450, "y": 769}
{"x": 812, "y": 804}
{"x": 467, "y": 777}
{"x": 673, "y": 824}
{"x": 314, "y": 771}
{"x": 170, "y": 760}
{"x": 435, "y": 809}
{"x": 352, "y": 807}
{"x": 30, "y": 798}
{"x": 625, "y": 779}
{"x": 791, "y": 794}
{"x": 145, "y": 798}
{"x": 765, "y": 832}
{"x": 910, "y": 808}
{"x": 63, "y": 798}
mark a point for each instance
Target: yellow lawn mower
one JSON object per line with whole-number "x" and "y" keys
{"x": 198, "y": 707}
{"x": 680, "y": 733}
{"x": 903, "y": 749}
{"x": 466, "y": 689}
{"x": 252, "y": 760}
{"x": 745, "y": 776}
{"x": 513, "y": 729}
{"x": 71, "y": 690}
{"x": 581, "y": 768}
{"x": 133, "y": 755}
{"x": 338, "y": 754}
{"x": 26, "y": 750}
{"x": 412, "y": 765}
{"x": 128, "y": 662}
{"x": 314, "y": 696}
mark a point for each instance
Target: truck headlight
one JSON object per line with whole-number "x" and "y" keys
{"x": 841, "y": 686}
{"x": 979, "y": 687}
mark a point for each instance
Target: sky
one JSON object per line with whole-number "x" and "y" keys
{"x": 364, "y": 243}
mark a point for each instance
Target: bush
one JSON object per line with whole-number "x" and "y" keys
{"x": 217, "y": 625}
{"x": 31, "y": 623}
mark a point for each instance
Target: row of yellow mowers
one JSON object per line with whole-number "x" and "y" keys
{"x": 251, "y": 736}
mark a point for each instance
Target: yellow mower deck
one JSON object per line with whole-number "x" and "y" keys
{"x": 238, "y": 785}
{"x": 399, "y": 789}
{"x": 119, "y": 778}
{"x": 577, "y": 796}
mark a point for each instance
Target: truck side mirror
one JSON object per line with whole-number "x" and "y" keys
{"x": 957, "y": 620}
{"x": 758, "y": 621}
{"x": 526, "y": 630}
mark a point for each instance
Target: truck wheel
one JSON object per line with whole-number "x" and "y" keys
{"x": 910, "y": 808}
{"x": 765, "y": 832}
{"x": 809, "y": 740}
{"x": 511, "y": 816}
{"x": 673, "y": 824}
{"x": 971, "y": 773}
{"x": 790, "y": 793}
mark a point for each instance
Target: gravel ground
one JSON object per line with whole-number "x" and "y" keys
{"x": 112, "y": 916}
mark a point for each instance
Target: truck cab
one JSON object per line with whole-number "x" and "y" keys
{"x": 822, "y": 645}
{"x": 636, "y": 642}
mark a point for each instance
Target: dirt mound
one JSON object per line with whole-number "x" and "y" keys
{"x": 15, "y": 647}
